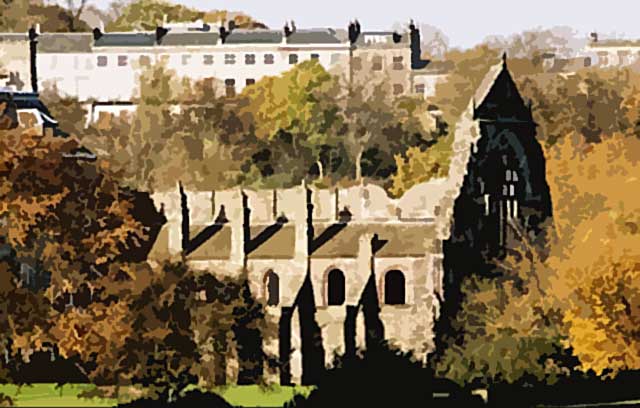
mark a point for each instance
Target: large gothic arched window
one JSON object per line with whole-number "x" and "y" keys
{"x": 272, "y": 288}
{"x": 394, "y": 288}
{"x": 335, "y": 288}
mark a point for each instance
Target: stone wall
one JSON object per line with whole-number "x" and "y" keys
{"x": 414, "y": 227}
{"x": 410, "y": 225}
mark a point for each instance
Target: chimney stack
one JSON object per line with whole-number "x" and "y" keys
{"x": 354, "y": 31}
{"x": 34, "y": 32}
{"x": 224, "y": 32}
{"x": 416, "y": 50}
{"x": 160, "y": 32}
{"x": 97, "y": 34}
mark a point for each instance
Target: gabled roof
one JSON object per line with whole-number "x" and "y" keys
{"x": 126, "y": 40}
{"x": 5, "y": 37}
{"x": 189, "y": 38}
{"x": 326, "y": 36}
{"x": 254, "y": 37}
{"x": 503, "y": 102}
{"x": 615, "y": 43}
{"x": 64, "y": 42}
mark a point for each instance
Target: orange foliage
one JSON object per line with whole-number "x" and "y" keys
{"x": 596, "y": 259}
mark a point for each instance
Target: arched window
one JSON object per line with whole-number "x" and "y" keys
{"x": 335, "y": 288}
{"x": 394, "y": 288}
{"x": 272, "y": 288}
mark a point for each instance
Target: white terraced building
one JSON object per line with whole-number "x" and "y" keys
{"x": 106, "y": 68}
{"x": 606, "y": 53}
{"x": 103, "y": 69}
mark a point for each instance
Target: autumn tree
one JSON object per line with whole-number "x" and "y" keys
{"x": 591, "y": 102}
{"x": 69, "y": 224}
{"x": 596, "y": 257}
{"x": 574, "y": 304}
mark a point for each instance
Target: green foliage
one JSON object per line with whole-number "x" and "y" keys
{"x": 593, "y": 102}
{"x": 507, "y": 334}
{"x": 421, "y": 165}
{"x": 300, "y": 125}
{"x": 471, "y": 66}
{"x": 291, "y": 102}
{"x": 295, "y": 117}
{"x": 148, "y": 14}
{"x": 20, "y": 15}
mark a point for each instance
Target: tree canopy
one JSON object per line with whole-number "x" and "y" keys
{"x": 148, "y": 14}
{"x": 21, "y": 15}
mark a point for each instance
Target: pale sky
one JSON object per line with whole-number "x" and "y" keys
{"x": 465, "y": 22}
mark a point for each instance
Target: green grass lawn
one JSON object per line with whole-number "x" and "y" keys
{"x": 41, "y": 395}
{"x": 255, "y": 396}
{"x": 47, "y": 395}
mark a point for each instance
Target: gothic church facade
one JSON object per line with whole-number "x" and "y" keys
{"x": 340, "y": 269}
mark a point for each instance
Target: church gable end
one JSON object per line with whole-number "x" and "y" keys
{"x": 504, "y": 196}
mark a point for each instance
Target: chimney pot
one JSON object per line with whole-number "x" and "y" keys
{"x": 97, "y": 33}
{"x": 287, "y": 30}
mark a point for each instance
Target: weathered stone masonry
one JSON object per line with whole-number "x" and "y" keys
{"x": 340, "y": 268}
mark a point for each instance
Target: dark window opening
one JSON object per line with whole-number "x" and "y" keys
{"x": 230, "y": 87}
{"x": 335, "y": 288}
{"x": 293, "y": 58}
{"x": 272, "y": 288}
{"x": 250, "y": 81}
{"x": 376, "y": 63}
{"x": 398, "y": 63}
{"x": 357, "y": 63}
{"x": 394, "y": 288}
